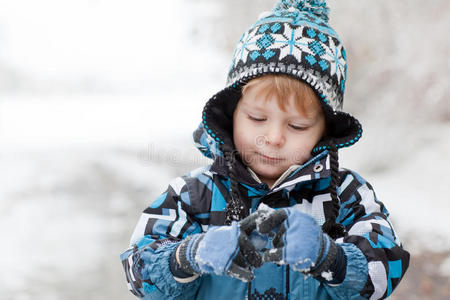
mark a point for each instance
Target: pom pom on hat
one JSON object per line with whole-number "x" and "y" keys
{"x": 316, "y": 7}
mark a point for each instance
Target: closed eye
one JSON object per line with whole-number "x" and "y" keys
{"x": 257, "y": 119}
{"x": 296, "y": 127}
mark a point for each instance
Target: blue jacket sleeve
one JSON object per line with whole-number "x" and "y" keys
{"x": 376, "y": 260}
{"x": 160, "y": 228}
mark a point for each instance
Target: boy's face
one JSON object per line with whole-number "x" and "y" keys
{"x": 269, "y": 139}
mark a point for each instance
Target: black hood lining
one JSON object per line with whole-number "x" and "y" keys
{"x": 218, "y": 115}
{"x": 342, "y": 130}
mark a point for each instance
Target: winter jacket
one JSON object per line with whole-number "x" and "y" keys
{"x": 376, "y": 260}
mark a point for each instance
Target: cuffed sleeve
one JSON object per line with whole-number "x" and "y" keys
{"x": 355, "y": 275}
{"x": 153, "y": 268}
{"x": 161, "y": 227}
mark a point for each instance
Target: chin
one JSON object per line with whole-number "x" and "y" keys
{"x": 267, "y": 174}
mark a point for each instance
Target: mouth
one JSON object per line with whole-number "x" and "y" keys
{"x": 270, "y": 158}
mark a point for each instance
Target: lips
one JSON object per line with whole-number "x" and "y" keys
{"x": 270, "y": 158}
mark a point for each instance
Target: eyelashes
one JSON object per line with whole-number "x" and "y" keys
{"x": 257, "y": 119}
{"x": 297, "y": 127}
{"x": 261, "y": 119}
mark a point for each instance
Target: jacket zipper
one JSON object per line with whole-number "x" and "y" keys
{"x": 249, "y": 286}
{"x": 287, "y": 282}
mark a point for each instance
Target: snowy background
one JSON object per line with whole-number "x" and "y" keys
{"x": 98, "y": 100}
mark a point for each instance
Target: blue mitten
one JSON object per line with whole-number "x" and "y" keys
{"x": 222, "y": 250}
{"x": 298, "y": 241}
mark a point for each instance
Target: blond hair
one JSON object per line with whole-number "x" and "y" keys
{"x": 283, "y": 87}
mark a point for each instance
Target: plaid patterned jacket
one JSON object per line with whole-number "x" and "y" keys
{"x": 376, "y": 261}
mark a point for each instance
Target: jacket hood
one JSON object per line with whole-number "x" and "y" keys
{"x": 207, "y": 145}
{"x": 215, "y": 131}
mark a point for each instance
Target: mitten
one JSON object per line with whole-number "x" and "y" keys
{"x": 298, "y": 241}
{"x": 222, "y": 250}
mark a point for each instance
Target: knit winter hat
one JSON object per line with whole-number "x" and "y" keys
{"x": 294, "y": 39}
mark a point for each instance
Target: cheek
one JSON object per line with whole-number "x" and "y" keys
{"x": 241, "y": 132}
{"x": 301, "y": 147}
{"x": 300, "y": 154}
{"x": 240, "y": 140}
{"x": 244, "y": 146}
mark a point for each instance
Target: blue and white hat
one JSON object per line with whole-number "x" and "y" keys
{"x": 294, "y": 39}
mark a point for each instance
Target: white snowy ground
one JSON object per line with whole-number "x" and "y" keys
{"x": 78, "y": 167}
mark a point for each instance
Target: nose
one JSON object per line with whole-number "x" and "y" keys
{"x": 275, "y": 135}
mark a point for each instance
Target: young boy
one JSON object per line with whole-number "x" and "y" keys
{"x": 273, "y": 217}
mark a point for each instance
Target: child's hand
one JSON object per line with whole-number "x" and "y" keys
{"x": 222, "y": 250}
{"x": 299, "y": 241}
